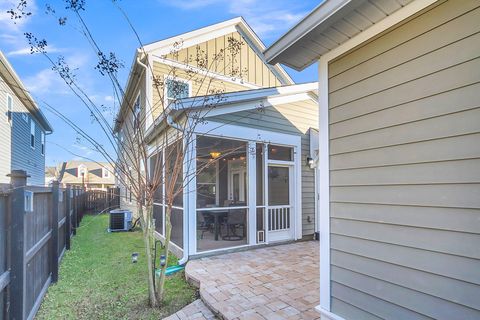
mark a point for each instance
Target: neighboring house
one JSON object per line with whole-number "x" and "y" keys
{"x": 262, "y": 193}
{"x": 89, "y": 175}
{"x": 399, "y": 161}
{"x": 23, "y": 129}
{"x": 51, "y": 174}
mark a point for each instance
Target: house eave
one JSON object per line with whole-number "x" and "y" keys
{"x": 13, "y": 81}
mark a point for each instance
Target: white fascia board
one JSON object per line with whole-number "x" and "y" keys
{"x": 259, "y": 48}
{"x": 255, "y": 104}
{"x": 198, "y": 36}
{"x": 321, "y": 13}
{"x": 202, "y": 33}
{"x": 203, "y": 72}
{"x": 240, "y": 96}
{"x": 222, "y": 130}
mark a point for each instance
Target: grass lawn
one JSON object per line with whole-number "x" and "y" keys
{"x": 97, "y": 279}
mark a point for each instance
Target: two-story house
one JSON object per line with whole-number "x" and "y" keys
{"x": 264, "y": 192}
{"x": 86, "y": 174}
{"x": 23, "y": 128}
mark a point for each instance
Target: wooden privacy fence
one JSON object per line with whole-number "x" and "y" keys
{"x": 36, "y": 226}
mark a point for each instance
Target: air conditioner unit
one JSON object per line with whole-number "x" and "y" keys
{"x": 120, "y": 220}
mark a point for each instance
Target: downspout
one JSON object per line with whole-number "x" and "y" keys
{"x": 184, "y": 259}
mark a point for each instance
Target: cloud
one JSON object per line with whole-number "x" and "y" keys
{"x": 268, "y": 18}
{"x": 26, "y": 51}
{"x": 7, "y": 25}
{"x": 45, "y": 81}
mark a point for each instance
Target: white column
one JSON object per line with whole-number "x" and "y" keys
{"x": 252, "y": 192}
{"x": 191, "y": 215}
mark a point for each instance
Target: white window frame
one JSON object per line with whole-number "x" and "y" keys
{"x": 79, "y": 170}
{"x": 9, "y": 109}
{"x": 105, "y": 173}
{"x": 165, "y": 89}
{"x": 25, "y": 117}
{"x": 32, "y": 133}
{"x": 136, "y": 110}
{"x": 42, "y": 138}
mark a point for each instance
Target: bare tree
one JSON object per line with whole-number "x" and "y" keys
{"x": 128, "y": 143}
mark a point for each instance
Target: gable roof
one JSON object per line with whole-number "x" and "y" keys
{"x": 8, "y": 74}
{"x": 329, "y": 25}
{"x": 198, "y": 36}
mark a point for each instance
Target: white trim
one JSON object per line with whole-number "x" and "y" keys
{"x": 324, "y": 152}
{"x": 297, "y": 176}
{"x": 251, "y": 196}
{"x": 149, "y": 92}
{"x": 201, "y": 35}
{"x": 191, "y": 212}
{"x": 204, "y": 72}
{"x": 218, "y": 129}
{"x": 327, "y": 315}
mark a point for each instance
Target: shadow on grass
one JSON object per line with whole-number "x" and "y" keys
{"x": 97, "y": 279}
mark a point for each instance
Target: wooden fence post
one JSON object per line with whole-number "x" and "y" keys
{"x": 54, "y": 239}
{"x": 18, "y": 179}
{"x": 75, "y": 208}
{"x": 68, "y": 221}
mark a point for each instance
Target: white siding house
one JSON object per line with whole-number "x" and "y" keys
{"x": 23, "y": 129}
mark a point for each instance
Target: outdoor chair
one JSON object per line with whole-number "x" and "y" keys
{"x": 206, "y": 223}
{"x": 235, "y": 220}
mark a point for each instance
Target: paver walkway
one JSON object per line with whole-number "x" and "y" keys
{"x": 195, "y": 310}
{"x": 280, "y": 282}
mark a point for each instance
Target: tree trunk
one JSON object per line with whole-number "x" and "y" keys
{"x": 168, "y": 233}
{"x": 147, "y": 238}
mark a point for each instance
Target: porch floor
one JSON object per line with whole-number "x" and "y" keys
{"x": 278, "y": 282}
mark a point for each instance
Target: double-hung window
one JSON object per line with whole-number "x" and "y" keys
{"x": 136, "y": 114}
{"x": 32, "y": 133}
{"x": 176, "y": 89}
{"x": 42, "y": 136}
{"x": 9, "y": 108}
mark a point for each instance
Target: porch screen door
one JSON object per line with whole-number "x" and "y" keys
{"x": 279, "y": 203}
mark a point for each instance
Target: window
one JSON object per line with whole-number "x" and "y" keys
{"x": 32, "y": 134}
{"x": 9, "y": 108}
{"x": 81, "y": 171}
{"x": 176, "y": 89}
{"x": 25, "y": 117}
{"x": 136, "y": 113}
{"x": 106, "y": 173}
{"x": 280, "y": 153}
{"x": 42, "y": 135}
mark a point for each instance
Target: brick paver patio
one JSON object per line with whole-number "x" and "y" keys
{"x": 196, "y": 310}
{"x": 279, "y": 282}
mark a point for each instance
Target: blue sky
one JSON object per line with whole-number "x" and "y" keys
{"x": 153, "y": 20}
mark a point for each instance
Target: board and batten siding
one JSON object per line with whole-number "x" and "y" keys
{"x": 404, "y": 123}
{"x": 17, "y": 154}
{"x": 293, "y": 118}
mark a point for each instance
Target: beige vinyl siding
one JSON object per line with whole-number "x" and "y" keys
{"x": 293, "y": 118}
{"x": 246, "y": 63}
{"x": 405, "y": 170}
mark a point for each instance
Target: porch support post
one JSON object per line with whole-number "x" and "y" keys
{"x": 252, "y": 193}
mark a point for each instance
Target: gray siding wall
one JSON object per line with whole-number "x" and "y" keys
{"x": 405, "y": 170}
{"x": 293, "y": 118}
{"x": 15, "y": 149}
